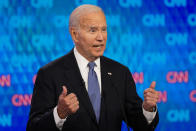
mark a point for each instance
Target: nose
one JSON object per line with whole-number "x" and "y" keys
{"x": 99, "y": 36}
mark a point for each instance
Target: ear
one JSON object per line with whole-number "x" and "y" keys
{"x": 74, "y": 34}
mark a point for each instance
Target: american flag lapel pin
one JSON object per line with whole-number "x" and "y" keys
{"x": 109, "y": 73}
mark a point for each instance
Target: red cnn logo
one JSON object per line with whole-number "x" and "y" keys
{"x": 174, "y": 77}
{"x": 5, "y": 80}
{"x": 138, "y": 77}
{"x": 162, "y": 96}
{"x": 193, "y": 96}
{"x": 21, "y": 100}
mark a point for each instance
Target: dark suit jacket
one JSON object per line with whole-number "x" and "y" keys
{"x": 119, "y": 100}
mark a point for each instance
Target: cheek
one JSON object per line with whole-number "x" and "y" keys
{"x": 85, "y": 42}
{"x": 105, "y": 36}
{"x": 89, "y": 42}
{"x": 89, "y": 39}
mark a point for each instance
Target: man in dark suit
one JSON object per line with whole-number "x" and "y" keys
{"x": 86, "y": 91}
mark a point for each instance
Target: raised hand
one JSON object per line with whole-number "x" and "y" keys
{"x": 151, "y": 96}
{"x": 67, "y": 104}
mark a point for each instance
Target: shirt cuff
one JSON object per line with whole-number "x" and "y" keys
{"x": 149, "y": 115}
{"x": 58, "y": 121}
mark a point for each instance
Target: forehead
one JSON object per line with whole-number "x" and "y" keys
{"x": 93, "y": 19}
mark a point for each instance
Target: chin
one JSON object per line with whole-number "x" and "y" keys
{"x": 98, "y": 54}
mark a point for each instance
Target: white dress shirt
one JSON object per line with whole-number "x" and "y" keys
{"x": 84, "y": 69}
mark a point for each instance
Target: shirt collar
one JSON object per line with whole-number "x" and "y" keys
{"x": 83, "y": 62}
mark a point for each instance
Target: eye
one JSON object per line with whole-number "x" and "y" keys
{"x": 92, "y": 30}
{"x": 104, "y": 29}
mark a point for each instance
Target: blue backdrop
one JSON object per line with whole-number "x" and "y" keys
{"x": 156, "y": 39}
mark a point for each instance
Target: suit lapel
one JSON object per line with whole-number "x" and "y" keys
{"x": 105, "y": 76}
{"x": 105, "y": 84}
{"x": 76, "y": 84}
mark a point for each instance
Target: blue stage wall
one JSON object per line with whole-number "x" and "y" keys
{"x": 156, "y": 39}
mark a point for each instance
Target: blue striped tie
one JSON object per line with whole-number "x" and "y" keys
{"x": 93, "y": 90}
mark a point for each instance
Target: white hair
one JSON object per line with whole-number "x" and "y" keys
{"x": 74, "y": 20}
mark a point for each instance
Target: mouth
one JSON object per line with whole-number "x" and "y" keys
{"x": 98, "y": 46}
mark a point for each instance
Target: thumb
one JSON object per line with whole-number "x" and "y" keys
{"x": 153, "y": 84}
{"x": 64, "y": 92}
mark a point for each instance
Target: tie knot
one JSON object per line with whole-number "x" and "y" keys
{"x": 91, "y": 65}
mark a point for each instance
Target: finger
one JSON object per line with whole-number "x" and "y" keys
{"x": 156, "y": 99}
{"x": 151, "y": 99}
{"x": 74, "y": 108}
{"x": 70, "y": 102}
{"x": 70, "y": 96}
{"x": 64, "y": 92}
{"x": 74, "y": 99}
{"x": 73, "y": 105}
{"x": 150, "y": 95}
{"x": 151, "y": 91}
{"x": 153, "y": 85}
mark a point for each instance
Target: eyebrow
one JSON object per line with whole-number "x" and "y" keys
{"x": 94, "y": 27}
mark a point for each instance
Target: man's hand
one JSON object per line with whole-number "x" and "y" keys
{"x": 151, "y": 96}
{"x": 67, "y": 104}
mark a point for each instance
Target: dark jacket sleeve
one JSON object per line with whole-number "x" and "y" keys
{"x": 42, "y": 104}
{"x": 133, "y": 108}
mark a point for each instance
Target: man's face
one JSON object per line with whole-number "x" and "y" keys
{"x": 92, "y": 35}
